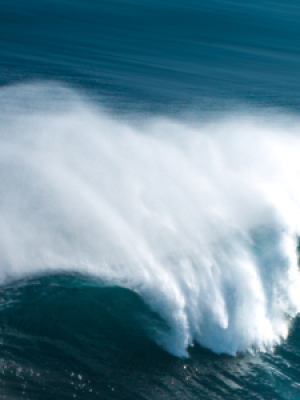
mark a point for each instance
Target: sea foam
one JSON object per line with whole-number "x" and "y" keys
{"x": 201, "y": 219}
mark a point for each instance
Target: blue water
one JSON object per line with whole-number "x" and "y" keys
{"x": 149, "y": 199}
{"x": 158, "y": 53}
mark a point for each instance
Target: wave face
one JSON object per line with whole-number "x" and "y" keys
{"x": 200, "y": 220}
{"x": 69, "y": 336}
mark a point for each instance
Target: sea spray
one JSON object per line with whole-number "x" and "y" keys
{"x": 200, "y": 219}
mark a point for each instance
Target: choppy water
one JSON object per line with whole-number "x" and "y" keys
{"x": 149, "y": 208}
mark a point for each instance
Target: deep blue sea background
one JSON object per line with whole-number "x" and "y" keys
{"x": 157, "y": 53}
{"x": 67, "y": 333}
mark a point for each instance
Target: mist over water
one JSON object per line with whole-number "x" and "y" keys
{"x": 200, "y": 219}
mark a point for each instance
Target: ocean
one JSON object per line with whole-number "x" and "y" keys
{"x": 149, "y": 200}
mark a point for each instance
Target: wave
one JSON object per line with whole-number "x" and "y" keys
{"x": 200, "y": 219}
{"x": 77, "y": 310}
{"x": 69, "y": 333}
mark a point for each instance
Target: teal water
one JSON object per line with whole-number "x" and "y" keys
{"x": 157, "y": 52}
{"x": 69, "y": 336}
{"x": 149, "y": 201}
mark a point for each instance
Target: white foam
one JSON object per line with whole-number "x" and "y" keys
{"x": 201, "y": 220}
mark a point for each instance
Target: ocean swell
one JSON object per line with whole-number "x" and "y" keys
{"x": 200, "y": 219}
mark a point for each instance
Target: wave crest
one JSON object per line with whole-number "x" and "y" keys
{"x": 201, "y": 220}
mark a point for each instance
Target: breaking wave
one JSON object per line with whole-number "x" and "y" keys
{"x": 200, "y": 219}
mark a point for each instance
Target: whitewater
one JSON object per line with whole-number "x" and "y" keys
{"x": 201, "y": 218}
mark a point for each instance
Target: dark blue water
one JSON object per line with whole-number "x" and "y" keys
{"x": 143, "y": 256}
{"x": 157, "y": 53}
{"x": 66, "y": 336}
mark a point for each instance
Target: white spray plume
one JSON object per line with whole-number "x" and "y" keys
{"x": 202, "y": 221}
